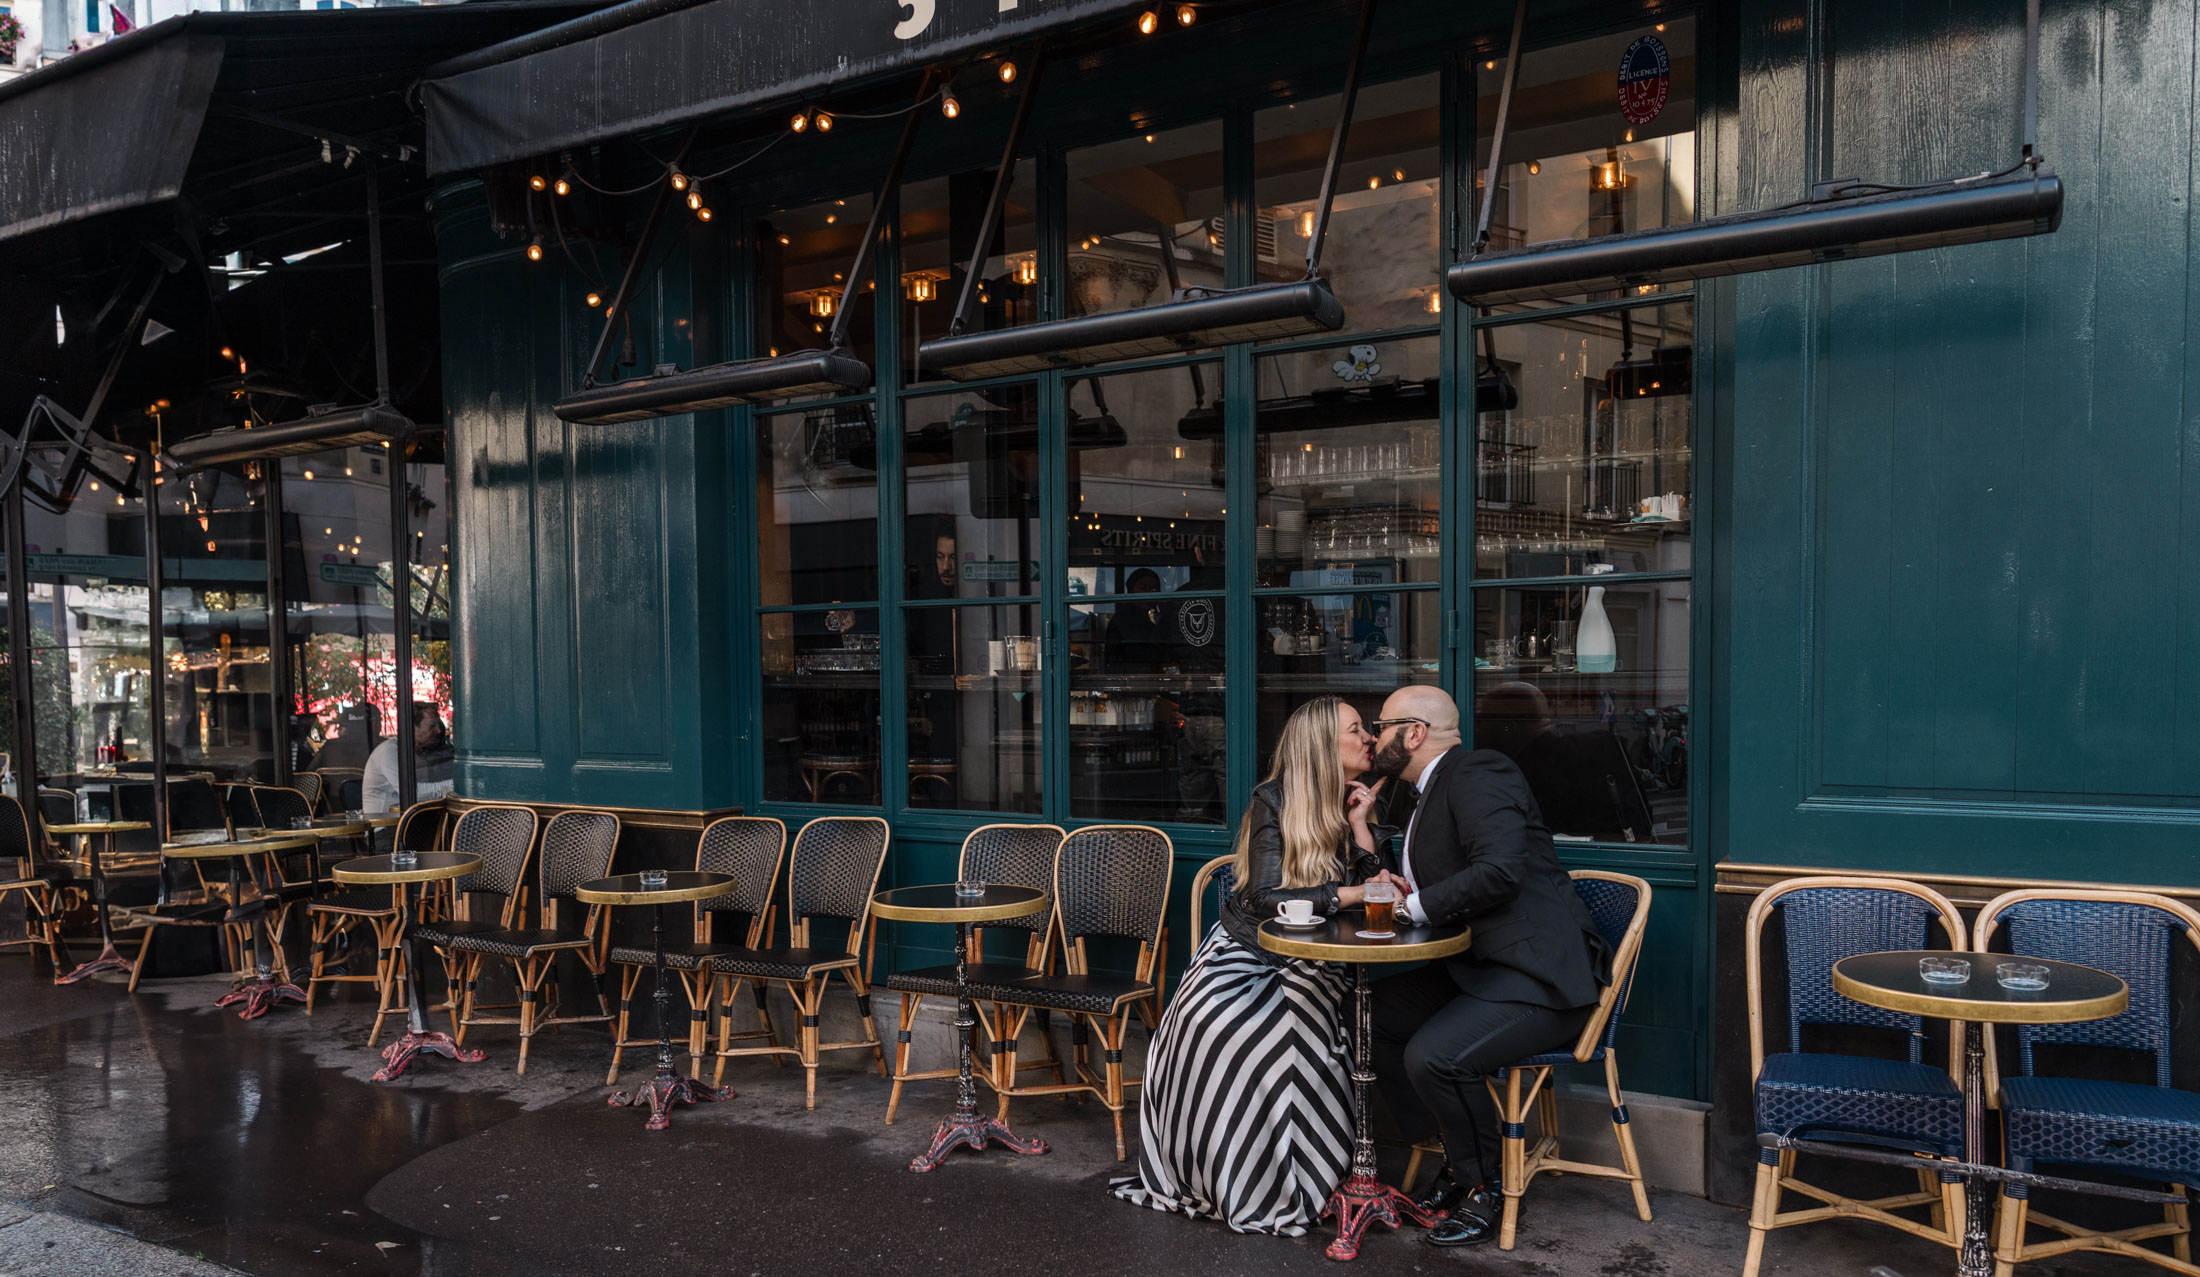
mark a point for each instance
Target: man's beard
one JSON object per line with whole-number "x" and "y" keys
{"x": 1392, "y": 757}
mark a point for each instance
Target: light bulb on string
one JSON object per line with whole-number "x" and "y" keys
{"x": 534, "y": 250}
{"x": 694, "y": 199}
{"x": 824, "y": 122}
{"x": 1149, "y": 22}
{"x": 1008, "y": 71}
{"x": 536, "y": 182}
{"x": 949, "y": 107}
{"x": 679, "y": 179}
{"x": 562, "y": 187}
{"x": 1185, "y": 14}
{"x": 702, "y": 215}
{"x": 800, "y": 122}
{"x": 595, "y": 299}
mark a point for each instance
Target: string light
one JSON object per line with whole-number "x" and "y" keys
{"x": 702, "y": 215}
{"x": 824, "y": 122}
{"x": 227, "y": 353}
{"x": 949, "y": 107}
{"x": 800, "y": 121}
{"x": 1008, "y": 71}
{"x": 536, "y": 182}
{"x": 1184, "y": 15}
{"x": 1534, "y": 167}
{"x": 534, "y": 250}
{"x": 595, "y": 299}
{"x": 1148, "y": 22}
{"x": 309, "y": 474}
{"x": 695, "y": 199}
{"x": 1374, "y": 182}
{"x": 562, "y": 187}
{"x": 679, "y": 179}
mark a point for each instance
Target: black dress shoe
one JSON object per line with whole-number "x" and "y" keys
{"x": 1442, "y": 1193}
{"x": 1473, "y": 1220}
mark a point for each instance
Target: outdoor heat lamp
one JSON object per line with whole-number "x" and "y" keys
{"x": 318, "y": 431}
{"x": 1965, "y": 211}
{"x": 747, "y": 381}
{"x": 1204, "y": 318}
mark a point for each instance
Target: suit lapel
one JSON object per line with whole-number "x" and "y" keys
{"x": 1421, "y": 797}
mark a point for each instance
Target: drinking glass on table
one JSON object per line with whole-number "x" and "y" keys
{"x": 1381, "y": 899}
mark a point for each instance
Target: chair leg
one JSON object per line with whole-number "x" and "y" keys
{"x": 1622, "y": 1130}
{"x": 909, "y": 1004}
{"x": 1413, "y": 1168}
{"x": 1011, "y": 1028}
{"x": 1513, "y": 1158}
{"x": 137, "y": 965}
{"x": 1763, "y": 1205}
{"x": 701, "y": 983}
{"x": 627, "y": 981}
{"x": 2178, "y": 1217}
{"x": 531, "y": 975}
{"x": 1954, "y": 1211}
{"x": 317, "y": 940}
{"x": 389, "y": 960}
{"x": 2009, "y": 1234}
{"x": 1112, "y": 1032}
{"x": 812, "y": 998}
{"x": 870, "y": 1022}
{"x": 764, "y": 1019}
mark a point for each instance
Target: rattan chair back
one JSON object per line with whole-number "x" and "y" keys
{"x": 502, "y": 837}
{"x": 280, "y": 808}
{"x": 15, "y": 834}
{"x": 308, "y": 784}
{"x": 1826, "y": 919}
{"x": 2129, "y": 934}
{"x": 56, "y": 806}
{"x": 750, "y": 848}
{"x": 1018, "y": 856}
{"x": 1215, "y": 875}
{"x": 834, "y": 872}
{"x": 1112, "y": 881}
{"x": 237, "y": 804}
{"x": 577, "y": 847}
{"x": 1619, "y": 904}
{"x": 420, "y": 826}
{"x": 194, "y": 806}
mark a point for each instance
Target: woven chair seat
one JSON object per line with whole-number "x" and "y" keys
{"x": 452, "y": 933}
{"x": 780, "y": 963}
{"x": 192, "y": 913}
{"x": 526, "y": 943}
{"x": 940, "y": 981}
{"x": 1860, "y": 1099}
{"x": 46, "y": 875}
{"x": 367, "y": 902}
{"x": 1086, "y": 994}
{"x": 2118, "y": 1125}
{"x": 1552, "y": 1059}
{"x": 681, "y": 957}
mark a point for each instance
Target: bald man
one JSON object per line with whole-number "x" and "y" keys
{"x": 1476, "y": 852}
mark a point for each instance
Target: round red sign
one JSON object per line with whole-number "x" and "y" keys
{"x": 1645, "y": 75}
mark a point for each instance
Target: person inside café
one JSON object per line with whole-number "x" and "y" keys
{"x": 930, "y": 634}
{"x": 350, "y": 740}
{"x": 432, "y": 760}
{"x": 1245, "y": 1114}
{"x": 1475, "y": 852}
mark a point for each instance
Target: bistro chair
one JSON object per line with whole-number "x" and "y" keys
{"x": 1218, "y": 875}
{"x": 39, "y": 885}
{"x": 1013, "y": 855}
{"x": 750, "y": 848}
{"x": 504, "y": 838}
{"x": 1903, "y": 1104}
{"x": 2130, "y": 1130}
{"x": 831, "y": 875}
{"x": 335, "y": 915}
{"x": 1110, "y": 881}
{"x": 576, "y": 847}
{"x": 1620, "y": 906}
{"x": 341, "y": 787}
{"x": 308, "y": 784}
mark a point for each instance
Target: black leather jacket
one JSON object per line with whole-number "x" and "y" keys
{"x": 1261, "y": 896}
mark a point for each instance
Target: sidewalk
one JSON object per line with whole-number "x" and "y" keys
{"x": 138, "y": 1133}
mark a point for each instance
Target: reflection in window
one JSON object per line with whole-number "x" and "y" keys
{"x": 1145, "y": 219}
{"x": 1382, "y": 252}
{"x": 1349, "y": 464}
{"x": 1361, "y": 646}
{"x": 939, "y": 230}
{"x": 1146, "y": 731}
{"x": 971, "y": 491}
{"x": 818, "y": 507}
{"x": 1146, "y": 480}
{"x": 89, "y": 636}
{"x": 802, "y": 258}
{"x": 1605, "y": 752}
{"x": 1594, "y": 465}
{"x": 820, "y": 706}
{"x": 218, "y": 695}
{"x": 973, "y": 707}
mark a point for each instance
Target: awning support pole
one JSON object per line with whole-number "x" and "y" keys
{"x": 617, "y": 308}
{"x": 278, "y": 614}
{"x": 400, "y": 507}
{"x": 156, "y": 663}
{"x": 1003, "y": 178}
{"x": 1337, "y": 136}
{"x": 1488, "y": 210}
{"x": 19, "y": 666}
{"x": 890, "y": 188}
{"x": 2032, "y": 84}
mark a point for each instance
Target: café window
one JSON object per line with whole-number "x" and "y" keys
{"x": 1145, "y": 218}
{"x": 802, "y": 259}
{"x": 940, "y": 221}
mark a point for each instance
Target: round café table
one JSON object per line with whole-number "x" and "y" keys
{"x": 263, "y": 993}
{"x": 1362, "y": 1199}
{"x": 995, "y": 902}
{"x": 670, "y": 1086}
{"x": 425, "y": 866}
{"x": 1892, "y": 981}
{"x": 93, "y": 833}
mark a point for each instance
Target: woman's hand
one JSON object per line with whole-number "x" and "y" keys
{"x": 1359, "y": 802}
{"x": 1351, "y": 897}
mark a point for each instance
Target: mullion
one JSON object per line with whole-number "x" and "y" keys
{"x": 1605, "y": 578}
{"x": 1325, "y": 341}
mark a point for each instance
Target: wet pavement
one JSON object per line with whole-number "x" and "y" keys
{"x": 264, "y": 1147}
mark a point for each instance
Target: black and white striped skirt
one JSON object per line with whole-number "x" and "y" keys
{"x": 1246, "y": 1110}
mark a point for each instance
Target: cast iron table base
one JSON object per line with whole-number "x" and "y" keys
{"x": 418, "y": 1039}
{"x": 669, "y": 1087}
{"x": 1363, "y": 1199}
{"x": 265, "y": 992}
{"x": 966, "y": 1125}
{"x": 110, "y": 958}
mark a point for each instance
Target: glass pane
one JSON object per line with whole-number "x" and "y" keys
{"x": 817, "y": 539}
{"x": 1349, "y": 455}
{"x": 802, "y": 258}
{"x": 336, "y": 513}
{"x": 1362, "y": 647}
{"x": 939, "y": 231}
{"x": 219, "y": 698}
{"x": 820, "y": 706}
{"x": 974, "y": 700}
{"x": 971, "y": 489}
{"x": 1594, "y": 465}
{"x": 1383, "y": 249}
{"x": 1606, "y": 752}
{"x": 1576, "y": 166}
{"x": 88, "y": 628}
{"x": 1145, "y": 482}
{"x": 1126, "y": 201}
{"x": 1146, "y": 733}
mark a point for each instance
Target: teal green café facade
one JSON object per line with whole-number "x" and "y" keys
{"x": 1935, "y": 616}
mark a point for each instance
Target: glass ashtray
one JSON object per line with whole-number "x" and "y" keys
{"x": 652, "y": 877}
{"x": 405, "y": 859}
{"x": 969, "y": 890}
{"x": 2025, "y": 977}
{"x": 1944, "y": 970}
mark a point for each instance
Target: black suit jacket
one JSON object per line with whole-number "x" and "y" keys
{"x": 1480, "y": 855}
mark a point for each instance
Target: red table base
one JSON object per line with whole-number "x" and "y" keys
{"x": 109, "y": 959}
{"x": 975, "y": 1130}
{"x": 661, "y": 1093}
{"x": 261, "y": 997}
{"x": 397, "y": 1055}
{"x": 1359, "y": 1202}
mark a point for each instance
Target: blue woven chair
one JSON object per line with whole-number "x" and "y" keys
{"x": 1221, "y": 878}
{"x": 1902, "y": 1104}
{"x": 2135, "y": 1130}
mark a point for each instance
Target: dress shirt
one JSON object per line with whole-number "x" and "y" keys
{"x": 1412, "y": 902}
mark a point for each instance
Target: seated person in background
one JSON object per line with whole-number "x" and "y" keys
{"x": 351, "y": 740}
{"x": 431, "y": 763}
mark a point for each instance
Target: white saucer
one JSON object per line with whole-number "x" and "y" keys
{"x": 1281, "y": 921}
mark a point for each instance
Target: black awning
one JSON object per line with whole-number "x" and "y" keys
{"x": 594, "y": 78}
{"x": 117, "y": 132}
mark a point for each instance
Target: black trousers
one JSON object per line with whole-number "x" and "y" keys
{"x": 1435, "y": 1043}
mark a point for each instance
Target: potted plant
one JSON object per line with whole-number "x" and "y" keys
{"x": 11, "y": 34}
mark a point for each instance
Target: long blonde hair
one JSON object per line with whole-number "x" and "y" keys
{"x": 1312, "y": 775}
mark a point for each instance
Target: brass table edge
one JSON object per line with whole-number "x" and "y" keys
{"x": 1739, "y": 878}
{"x": 1422, "y": 951}
{"x": 648, "y": 817}
{"x": 241, "y": 847}
{"x": 664, "y": 896}
{"x": 368, "y": 878}
{"x": 82, "y": 828}
{"x": 1947, "y": 1008}
{"x": 972, "y": 914}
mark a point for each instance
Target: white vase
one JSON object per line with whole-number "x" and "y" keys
{"x": 1595, "y": 650}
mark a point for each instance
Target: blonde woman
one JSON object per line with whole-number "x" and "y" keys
{"x": 1245, "y": 1114}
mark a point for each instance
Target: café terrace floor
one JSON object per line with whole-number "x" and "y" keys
{"x": 154, "y": 1134}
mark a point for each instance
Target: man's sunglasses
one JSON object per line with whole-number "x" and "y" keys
{"x": 1385, "y": 724}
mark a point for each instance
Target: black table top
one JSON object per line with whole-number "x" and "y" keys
{"x": 1337, "y": 939}
{"x": 679, "y": 884}
{"x": 1892, "y": 980}
{"x": 938, "y": 902}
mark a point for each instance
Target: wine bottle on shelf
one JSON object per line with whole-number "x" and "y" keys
{"x": 1596, "y": 651}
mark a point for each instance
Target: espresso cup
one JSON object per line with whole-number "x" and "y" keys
{"x": 1299, "y": 911}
